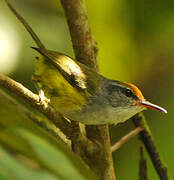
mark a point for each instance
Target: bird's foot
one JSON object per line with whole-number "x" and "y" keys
{"x": 43, "y": 100}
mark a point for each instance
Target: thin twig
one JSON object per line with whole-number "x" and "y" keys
{"x": 86, "y": 52}
{"x": 125, "y": 138}
{"x": 142, "y": 165}
{"x": 147, "y": 139}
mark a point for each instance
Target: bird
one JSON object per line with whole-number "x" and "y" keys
{"x": 78, "y": 92}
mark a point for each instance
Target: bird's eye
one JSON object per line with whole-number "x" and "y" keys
{"x": 128, "y": 93}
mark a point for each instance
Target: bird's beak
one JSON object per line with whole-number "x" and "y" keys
{"x": 149, "y": 105}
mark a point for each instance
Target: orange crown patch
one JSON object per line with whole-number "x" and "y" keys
{"x": 136, "y": 91}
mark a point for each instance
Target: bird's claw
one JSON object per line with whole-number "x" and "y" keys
{"x": 43, "y": 100}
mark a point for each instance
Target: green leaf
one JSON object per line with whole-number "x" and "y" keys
{"x": 57, "y": 158}
{"x": 20, "y": 172}
{"x": 3, "y": 176}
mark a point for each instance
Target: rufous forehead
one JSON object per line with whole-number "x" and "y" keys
{"x": 136, "y": 91}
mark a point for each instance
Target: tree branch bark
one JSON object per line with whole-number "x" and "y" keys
{"x": 84, "y": 46}
{"x": 56, "y": 118}
{"x": 142, "y": 165}
{"x": 147, "y": 139}
{"x": 86, "y": 52}
{"x": 36, "y": 119}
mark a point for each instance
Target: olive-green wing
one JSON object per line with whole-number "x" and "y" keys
{"x": 77, "y": 74}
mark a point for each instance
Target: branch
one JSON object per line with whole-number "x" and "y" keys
{"x": 125, "y": 138}
{"x": 47, "y": 126}
{"x": 83, "y": 44}
{"x": 142, "y": 165}
{"x": 147, "y": 139}
{"x": 103, "y": 160}
{"x": 86, "y": 52}
{"x": 56, "y": 118}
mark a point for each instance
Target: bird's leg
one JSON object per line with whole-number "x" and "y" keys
{"x": 42, "y": 98}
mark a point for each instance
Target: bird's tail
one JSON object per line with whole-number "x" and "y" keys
{"x": 26, "y": 25}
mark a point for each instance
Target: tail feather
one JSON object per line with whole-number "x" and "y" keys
{"x": 28, "y": 28}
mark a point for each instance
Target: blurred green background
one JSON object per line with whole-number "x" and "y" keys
{"x": 136, "y": 44}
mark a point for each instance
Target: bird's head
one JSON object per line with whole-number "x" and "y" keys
{"x": 127, "y": 100}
